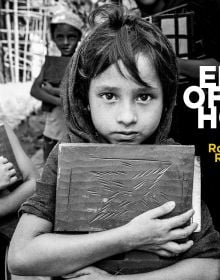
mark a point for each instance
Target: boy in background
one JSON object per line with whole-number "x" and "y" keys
{"x": 66, "y": 32}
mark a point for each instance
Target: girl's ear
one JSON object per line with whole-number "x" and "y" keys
{"x": 88, "y": 107}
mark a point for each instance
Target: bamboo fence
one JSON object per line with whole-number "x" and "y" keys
{"x": 23, "y": 37}
{"x": 24, "y": 40}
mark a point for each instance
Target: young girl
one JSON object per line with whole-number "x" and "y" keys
{"x": 120, "y": 89}
{"x": 66, "y": 31}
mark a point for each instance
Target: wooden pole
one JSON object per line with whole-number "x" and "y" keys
{"x": 16, "y": 35}
{"x": 8, "y": 26}
{"x": 44, "y": 25}
{"x": 2, "y": 36}
{"x": 26, "y": 41}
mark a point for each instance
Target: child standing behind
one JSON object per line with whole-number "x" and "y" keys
{"x": 11, "y": 196}
{"x": 66, "y": 31}
{"x": 120, "y": 89}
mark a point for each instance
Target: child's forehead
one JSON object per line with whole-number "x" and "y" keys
{"x": 144, "y": 65}
{"x": 64, "y": 27}
{"x": 119, "y": 73}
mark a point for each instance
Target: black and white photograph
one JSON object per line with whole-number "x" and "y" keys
{"x": 109, "y": 139}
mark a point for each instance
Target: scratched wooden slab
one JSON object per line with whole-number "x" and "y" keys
{"x": 7, "y": 151}
{"x": 104, "y": 186}
{"x": 54, "y": 69}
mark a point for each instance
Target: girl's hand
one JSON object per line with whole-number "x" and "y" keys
{"x": 50, "y": 89}
{"x": 169, "y": 249}
{"x": 148, "y": 232}
{"x": 7, "y": 173}
{"x": 89, "y": 273}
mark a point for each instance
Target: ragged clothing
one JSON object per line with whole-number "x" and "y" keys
{"x": 81, "y": 130}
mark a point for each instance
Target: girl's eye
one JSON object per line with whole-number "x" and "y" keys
{"x": 144, "y": 97}
{"x": 108, "y": 96}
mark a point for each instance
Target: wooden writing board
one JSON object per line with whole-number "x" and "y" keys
{"x": 54, "y": 69}
{"x": 7, "y": 151}
{"x": 104, "y": 186}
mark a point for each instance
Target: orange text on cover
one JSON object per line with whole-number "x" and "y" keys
{"x": 216, "y": 150}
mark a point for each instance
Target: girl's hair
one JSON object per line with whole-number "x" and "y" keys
{"x": 116, "y": 35}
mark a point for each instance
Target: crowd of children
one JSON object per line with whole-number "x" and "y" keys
{"x": 120, "y": 87}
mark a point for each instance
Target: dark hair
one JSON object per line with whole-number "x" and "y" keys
{"x": 118, "y": 35}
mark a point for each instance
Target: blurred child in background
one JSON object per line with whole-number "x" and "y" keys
{"x": 66, "y": 32}
{"x": 12, "y": 198}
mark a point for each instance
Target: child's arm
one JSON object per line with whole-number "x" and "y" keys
{"x": 35, "y": 249}
{"x": 190, "y": 269}
{"x": 11, "y": 202}
{"x": 39, "y": 92}
{"x": 51, "y": 89}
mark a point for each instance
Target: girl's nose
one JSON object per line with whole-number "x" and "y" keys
{"x": 127, "y": 115}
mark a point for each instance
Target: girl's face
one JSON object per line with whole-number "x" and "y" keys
{"x": 122, "y": 111}
{"x": 66, "y": 38}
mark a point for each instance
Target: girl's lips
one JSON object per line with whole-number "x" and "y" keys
{"x": 125, "y": 135}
